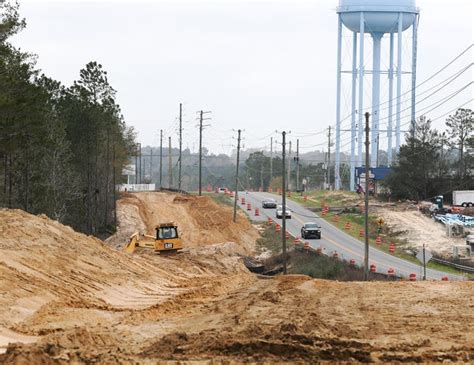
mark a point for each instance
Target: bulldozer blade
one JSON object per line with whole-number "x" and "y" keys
{"x": 132, "y": 243}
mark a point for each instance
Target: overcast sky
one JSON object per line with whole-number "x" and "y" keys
{"x": 257, "y": 65}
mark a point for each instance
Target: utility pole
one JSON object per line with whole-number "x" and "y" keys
{"x": 161, "y": 157}
{"x": 170, "y": 166}
{"x": 180, "y": 143}
{"x": 378, "y": 144}
{"x": 140, "y": 163}
{"x": 297, "y": 164}
{"x": 289, "y": 166}
{"x": 366, "y": 210}
{"x": 136, "y": 163}
{"x": 236, "y": 198}
{"x": 201, "y": 119}
{"x": 329, "y": 158}
{"x": 424, "y": 262}
{"x": 283, "y": 202}
{"x": 271, "y": 159}
{"x": 151, "y": 164}
{"x": 200, "y": 152}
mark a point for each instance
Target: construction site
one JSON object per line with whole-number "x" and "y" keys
{"x": 68, "y": 297}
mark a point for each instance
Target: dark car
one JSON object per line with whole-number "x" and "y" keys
{"x": 269, "y": 203}
{"x": 311, "y": 230}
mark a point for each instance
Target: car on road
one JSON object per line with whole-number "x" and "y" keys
{"x": 221, "y": 190}
{"x": 269, "y": 203}
{"x": 279, "y": 212}
{"x": 311, "y": 230}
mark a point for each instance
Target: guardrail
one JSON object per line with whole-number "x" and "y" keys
{"x": 452, "y": 264}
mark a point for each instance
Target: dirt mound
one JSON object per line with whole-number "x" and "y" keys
{"x": 290, "y": 319}
{"x": 53, "y": 278}
{"x": 200, "y": 219}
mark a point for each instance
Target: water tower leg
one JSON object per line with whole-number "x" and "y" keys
{"x": 338, "y": 107}
{"x": 390, "y": 104}
{"x": 353, "y": 116}
{"x": 360, "y": 138}
{"x": 377, "y": 41}
{"x": 399, "y": 81}
{"x": 413, "y": 68}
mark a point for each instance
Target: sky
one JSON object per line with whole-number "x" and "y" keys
{"x": 261, "y": 66}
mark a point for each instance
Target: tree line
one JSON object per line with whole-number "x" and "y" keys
{"x": 62, "y": 148}
{"x": 432, "y": 163}
{"x": 429, "y": 163}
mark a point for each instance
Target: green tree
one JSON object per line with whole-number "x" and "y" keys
{"x": 415, "y": 174}
{"x": 461, "y": 128}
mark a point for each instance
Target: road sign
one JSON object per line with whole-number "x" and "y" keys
{"x": 428, "y": 256}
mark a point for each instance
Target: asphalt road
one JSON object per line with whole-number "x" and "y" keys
{"x": 336, "y": 240}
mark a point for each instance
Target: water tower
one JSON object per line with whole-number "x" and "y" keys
{"x": 377, "y": 18}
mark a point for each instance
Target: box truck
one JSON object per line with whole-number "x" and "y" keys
{"x": 463, "y": 198}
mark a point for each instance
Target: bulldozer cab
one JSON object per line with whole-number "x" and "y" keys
{"x": 167, "y": 238}
{"x": 166, "y": 232}
{"x": 166, "y": 241}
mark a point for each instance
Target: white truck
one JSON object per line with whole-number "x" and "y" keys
{"x": 463, "y": 198}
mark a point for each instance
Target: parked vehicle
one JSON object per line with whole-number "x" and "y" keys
{"x": 221, "y": 190}
{"x": 279, "y": 212}
{"x": 269, "y": 203}
{"x": 311, "y": 230}
{"x": 463, "y": 198}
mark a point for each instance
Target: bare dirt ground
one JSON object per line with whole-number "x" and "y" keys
{"x": 417, "y": 229}
{"x": 66, "y": 297}
{"x": 201, "y": 220}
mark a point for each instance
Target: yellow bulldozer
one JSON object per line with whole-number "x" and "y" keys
{"x": 166, "y": 241}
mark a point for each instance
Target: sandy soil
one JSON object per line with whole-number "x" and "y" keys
{"x": 417, "y": 229}
{"x": 66, "y": 297}
{"x": 201, "y": 221}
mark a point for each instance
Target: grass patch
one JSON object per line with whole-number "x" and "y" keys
{"x": 309, "y": 262}
{"x": 222, "y": 199}
{"x": 270, "y": 240}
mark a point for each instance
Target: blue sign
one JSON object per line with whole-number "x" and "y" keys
{"x": 378, "y": 173}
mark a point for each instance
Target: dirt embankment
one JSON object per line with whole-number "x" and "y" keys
{"x": 201, "y": 220}
{"x": 54, "y": 279}
{"x": 71, "y": 298}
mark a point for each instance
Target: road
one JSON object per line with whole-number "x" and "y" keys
{"x": 336, "y": 240}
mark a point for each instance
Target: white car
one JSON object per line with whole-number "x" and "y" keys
{"x": 221, "y": 190}
{"x": 279, "y": 212}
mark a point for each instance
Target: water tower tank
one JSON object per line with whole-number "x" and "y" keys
{"x": 380, "y": 16}
{"x": 381, "y": 19}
